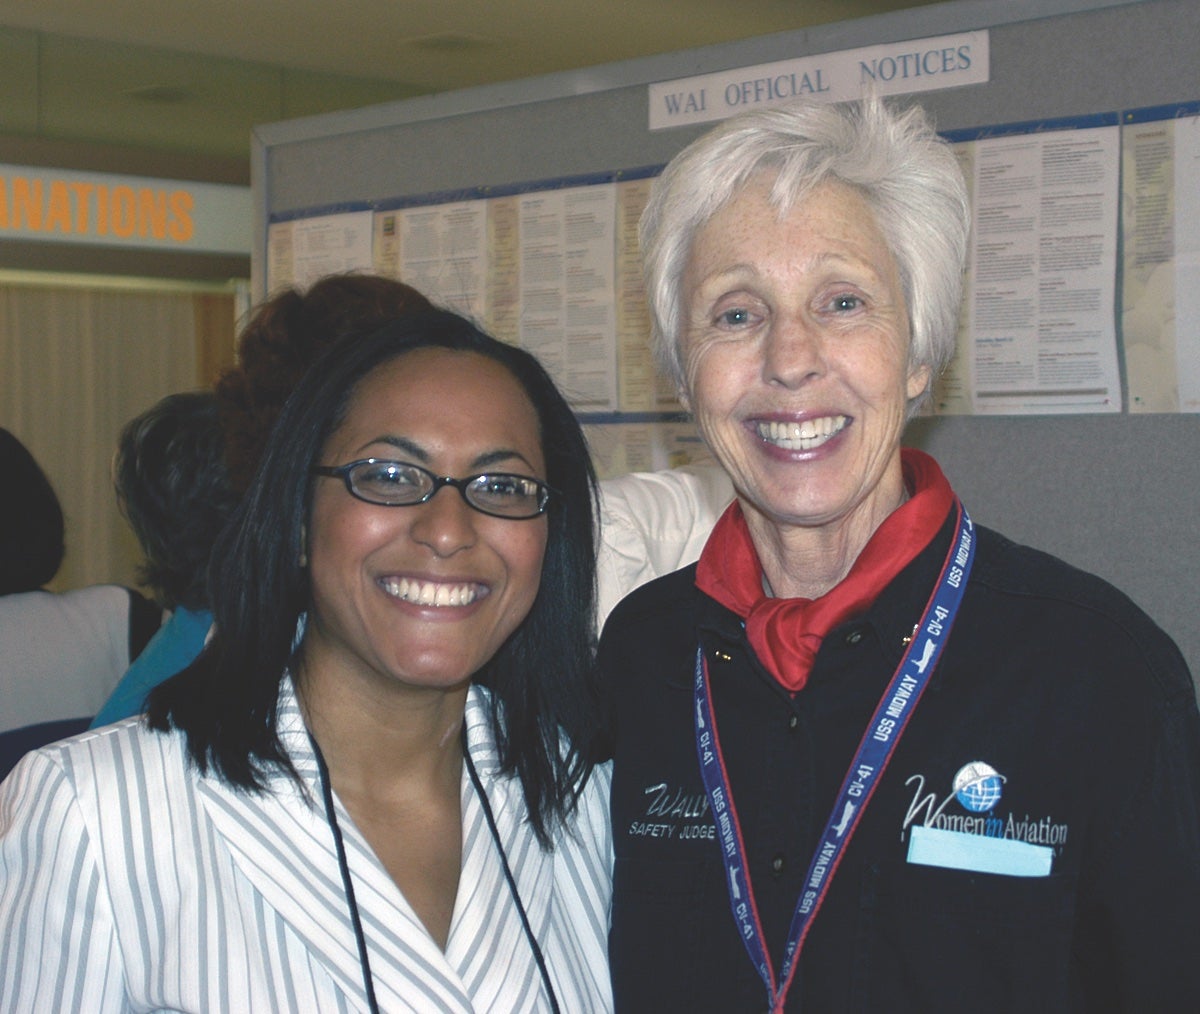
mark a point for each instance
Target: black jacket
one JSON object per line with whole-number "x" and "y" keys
{"x": 1050, "y": 676}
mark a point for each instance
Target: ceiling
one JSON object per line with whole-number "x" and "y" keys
{"x": 192, "y": 77}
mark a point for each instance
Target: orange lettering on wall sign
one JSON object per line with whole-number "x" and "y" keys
{"x": 58, "y": 210}
{"x": 152, "y": 213}
{"x": 27, "y": 203}
{"x": 34, "y": 204}
{"x": 101, "y": 211}
{"x": 124, "y": 212}
{"x": 182, "y": 226}
{"x": 83, "y": 193}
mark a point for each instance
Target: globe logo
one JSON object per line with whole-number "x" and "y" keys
{"x": 978, "y": 786}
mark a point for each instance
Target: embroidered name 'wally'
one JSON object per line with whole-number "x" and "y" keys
{"x": 674, "y": 814}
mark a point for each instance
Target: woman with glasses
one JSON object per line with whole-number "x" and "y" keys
{"x": 376, "y": 788}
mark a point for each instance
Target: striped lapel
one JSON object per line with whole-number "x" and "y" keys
{"x": 283, "y": 844}
{"x": 487, "y": 941}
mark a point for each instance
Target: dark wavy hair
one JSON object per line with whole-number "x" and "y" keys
{"x": 543, "y": 677}
{"x": 173, "y": 488}
{"x": 280, "y": 342}
{"x": 32, "y": 532}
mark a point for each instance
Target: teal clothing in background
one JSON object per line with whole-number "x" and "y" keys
{"x": 171, "y": 650}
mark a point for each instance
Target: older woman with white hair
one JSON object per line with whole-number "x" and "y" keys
{"x": 869, "y": 755}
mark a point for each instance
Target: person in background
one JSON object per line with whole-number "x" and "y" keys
{"x": 652, "y": 523}
{"x": 280, "y": 341}
{"x": 283, "y": 338}
{"x": 32, "y": 528}
{"x": 173, "y": 488}
{"x": 376, "y": 788}
{"x": 870, "y": 755}
{"x": 60, "y": 652}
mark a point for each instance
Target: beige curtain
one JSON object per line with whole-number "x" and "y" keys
{"x": 75, "y": 365}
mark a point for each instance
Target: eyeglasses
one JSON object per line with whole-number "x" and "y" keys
{"x": 400, "y": 484}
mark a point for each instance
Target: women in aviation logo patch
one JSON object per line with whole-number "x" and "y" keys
{"x": 978, "y": 786}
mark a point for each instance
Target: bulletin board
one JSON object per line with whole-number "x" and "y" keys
{"x": 1113, "y": 492}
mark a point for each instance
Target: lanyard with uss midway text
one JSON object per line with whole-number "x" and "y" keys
{"x": 874, "y": 751}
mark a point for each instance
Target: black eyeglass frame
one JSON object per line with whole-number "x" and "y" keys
{"x": 545, "y": 492}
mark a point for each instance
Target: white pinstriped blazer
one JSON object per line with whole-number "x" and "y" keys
{"x": 128, "y": 882}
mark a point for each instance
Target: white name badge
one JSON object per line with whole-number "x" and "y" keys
{"x": 956, "y": 850}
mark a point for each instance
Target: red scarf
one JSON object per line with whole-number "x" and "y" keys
{"x": 786, "y": 634}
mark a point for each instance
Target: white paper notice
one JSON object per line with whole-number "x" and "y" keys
{"x": 644, "y": 447}
{"x": 1042, "y": 272}
{"x": 1161, "y": 320}
{"x": 642, "y": 388}
{"x": 443, "y": 253}
{"x": 1187, "y": 259}
{"x": 280, "y": 257}
{"x": 330, "y": 244}
{"x": 568, "y": 317}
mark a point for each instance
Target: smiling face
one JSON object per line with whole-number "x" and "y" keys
{"x": 795, "y": 351}
{"x": 423, "y": 596}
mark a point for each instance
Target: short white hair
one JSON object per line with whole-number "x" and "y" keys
{"x": 907, "y": 174}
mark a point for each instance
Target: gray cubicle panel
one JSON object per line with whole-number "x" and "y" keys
{"x": 1114, "y": 494}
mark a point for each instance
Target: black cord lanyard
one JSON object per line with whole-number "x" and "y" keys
{"x": 512, "y": 884}
{"x": 348, "y": 884}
